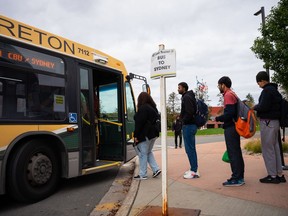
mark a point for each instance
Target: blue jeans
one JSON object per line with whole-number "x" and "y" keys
{"x": 144, "y": 151}
{"x": 189, "y": 132}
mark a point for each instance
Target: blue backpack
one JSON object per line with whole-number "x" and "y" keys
{"x": 201, "y": 115}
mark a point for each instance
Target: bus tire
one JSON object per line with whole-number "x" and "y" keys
{"x": 33, "y": 172}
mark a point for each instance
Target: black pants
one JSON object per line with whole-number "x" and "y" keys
{"x": 178, "y": 134}
{"x": 232, "y": 139}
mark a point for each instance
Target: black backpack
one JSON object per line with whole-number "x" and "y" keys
{"x": 157, "y": 123}
{"x": 201, "y": 115}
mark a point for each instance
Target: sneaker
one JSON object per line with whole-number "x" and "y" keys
{"x": 270, "y": 179}
{"x": 140, "y": 178}
{"x": 191, "y": 174}
{"x": 185, "y": 173}
{"x": 281, "y": 179}
{"x": 156, "y": 173}
{"x": 233, "y": 182}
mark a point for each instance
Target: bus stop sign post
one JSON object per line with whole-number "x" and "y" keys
{"x": 163, "y": 65}
{"x": 163, "y": 145}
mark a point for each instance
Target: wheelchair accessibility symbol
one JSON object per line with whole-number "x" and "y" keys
{"x": 72, "y": 117}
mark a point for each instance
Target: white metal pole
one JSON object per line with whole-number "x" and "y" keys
{"x": 163, "y": 145}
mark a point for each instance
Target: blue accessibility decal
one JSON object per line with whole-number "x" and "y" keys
{"x": 72, "y": 117}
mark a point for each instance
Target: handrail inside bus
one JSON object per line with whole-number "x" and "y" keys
{"x": 103, "y": 120}
{"x": 110, "y": 122}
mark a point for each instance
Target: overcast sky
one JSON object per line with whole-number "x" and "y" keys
{"x": 212, "y": 38}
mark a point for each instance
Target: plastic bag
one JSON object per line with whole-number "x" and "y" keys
{"x": 225, "y": 157}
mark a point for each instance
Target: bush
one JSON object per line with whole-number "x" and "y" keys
{"x": 255, "y": 146}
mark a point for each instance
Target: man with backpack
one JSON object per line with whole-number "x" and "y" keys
{"x": 189, "y": 128}
{"x": 269, "y": 111}
{"x": 232, "y": 138}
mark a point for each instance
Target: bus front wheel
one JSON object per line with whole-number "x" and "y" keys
{"x": 33, "y": 173}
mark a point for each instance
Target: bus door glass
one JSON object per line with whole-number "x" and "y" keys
{"x": 130, "y": 123}
{"x": 111, "y": 136}
{"x": 87, "y": 120}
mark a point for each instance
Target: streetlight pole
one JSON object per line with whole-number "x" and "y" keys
{"x": 262, "y": 12}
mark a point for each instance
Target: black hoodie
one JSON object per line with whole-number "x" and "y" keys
{"x": 269, "y": 102}
{"x": 188, "y": 108}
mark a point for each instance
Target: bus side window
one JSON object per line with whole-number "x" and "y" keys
{"x": 33, "y": 94}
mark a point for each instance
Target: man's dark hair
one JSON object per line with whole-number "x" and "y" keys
{"x": 226, "y": 81}
{"x": 262, "y": 75}
{"x": 184, "y": 85}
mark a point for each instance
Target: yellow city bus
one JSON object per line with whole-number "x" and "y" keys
{"x": 66, "y": 110}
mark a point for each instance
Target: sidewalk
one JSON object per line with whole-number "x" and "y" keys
{"x": 207, "y": 193}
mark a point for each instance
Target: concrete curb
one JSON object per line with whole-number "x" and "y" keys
{"x": 121, "y": 194}
{"x": 132, "y": 193}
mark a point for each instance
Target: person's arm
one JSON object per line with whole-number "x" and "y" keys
{"x": 229, "y": 110}
{"x": 140, "y": 121}
{"x": 229, "y": 113}
{"x": 264, "y": 103}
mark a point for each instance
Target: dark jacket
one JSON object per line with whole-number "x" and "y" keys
{"x": 269, "y": 102}
{"x": 177, "y": 126}
{"x": 144, "y": 119}
{"x": 230, "y": 109}
{"x": 188, "y": 108}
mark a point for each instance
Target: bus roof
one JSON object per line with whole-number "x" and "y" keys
{"x": 15, "y": 30}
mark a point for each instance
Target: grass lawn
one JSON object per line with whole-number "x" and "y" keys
{"x": 210, "y": 131}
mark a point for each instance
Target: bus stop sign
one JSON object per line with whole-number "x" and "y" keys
{"x": 163, "y": 63}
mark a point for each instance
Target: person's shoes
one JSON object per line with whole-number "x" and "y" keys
{"x": 233, "y": 182}
{"x": 156, "y": 173}
{"x": 140, "y": 178}
{"x": 191, "y": 174}
{"x": 175, "y": 147}
{"x": 180, "y": 146}
{"x": 270, "y": 179}
{"x": 185, "y": 173}
{"x": 281, "y": 179}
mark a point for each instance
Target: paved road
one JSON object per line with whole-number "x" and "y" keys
{"x": 75, "y": 197}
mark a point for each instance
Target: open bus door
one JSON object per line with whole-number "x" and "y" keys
{"x": 101, "y": 99}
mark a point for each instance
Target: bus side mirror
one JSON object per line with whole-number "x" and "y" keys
{"x": 146, "y": 88}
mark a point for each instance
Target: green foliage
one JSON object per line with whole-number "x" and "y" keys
{"x": 272, "y": 47}
{"x": 210, "y": 131}
{"x": 255, "y": 146}
{"x": 250, "y": 100}
{"x": 172, "y": 108}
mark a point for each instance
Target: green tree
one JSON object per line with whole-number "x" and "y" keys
{"x": 250, "y": 100}
{"x": 172, "y": 108}
{"x": 272, "y": 46}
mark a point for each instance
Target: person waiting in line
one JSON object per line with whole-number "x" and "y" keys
{"x": 232, "y": 138}
{"x": 145, "y": 135}
{"x": 177, "y": 129}
{"x": 268, "y": 110}
{"x": 188, "y": 110}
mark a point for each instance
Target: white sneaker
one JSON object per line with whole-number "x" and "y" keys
{"x": 191, "y": 174}
{"x": 187, "y": 172}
